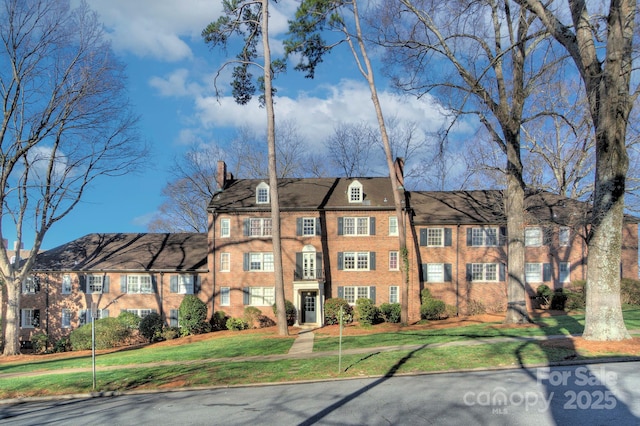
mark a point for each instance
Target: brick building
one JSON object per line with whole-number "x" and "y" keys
{"x": 339, "y": 239}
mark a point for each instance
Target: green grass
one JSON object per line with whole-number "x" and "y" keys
{"x": 202, "y": 371}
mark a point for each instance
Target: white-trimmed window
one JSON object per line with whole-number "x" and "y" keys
{"x": 30, "y": 285}
{"x": 262, "y": 296}
{"x": 85, "y": 317}
{"x": 435, "y": 237}
{"x": 308, "y": 226}
{"x": 353, "y": 293}
{"x": 225, "y": 296}
{"x": 140, "y": 312}
{"x": 394, "y": 263}
{"x": 355, "y": 192}
{"x": 94, "y": 284}
{"x": 225, "y": 262}
{"x": 65, "y": 320}
{"x": 66, "y": 284}
{"x": 484, "y": 272}
{"x": 262, "y": 193}
{"x": 260, "y": 227}
{"x": 141, "y": 284}
{"x": 435, "y": 272}
{"x": 564, "y": 272}
{"x": 393, "y": 225}
{"x": 533, "y": 272}
{"x": 356, "y": 260}
{"x": 533, "y": 237}
{"x": 394, "y": 294}
{"x": 29, "y": 318}
{"x": 225, "y": 228}
{"x": 261, "y": 262}
{"x": 564, "y": 236}
{"x": 485, "y": 237}
{"x": 355, "y": 225}
{"x": 185, "y": 284}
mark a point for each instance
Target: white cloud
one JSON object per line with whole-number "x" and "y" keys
{"x": 175, "y": 84}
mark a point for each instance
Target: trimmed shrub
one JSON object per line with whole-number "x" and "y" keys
{"x": 476, "y": 307}
{"x": 129, "y": 319}
{"x": 40, "y": 342}
{"x": 367, "y": 312}
{"x": 237, "y": 324}
{"x": 252, "y": 316}
{"x": 425, "y": 295}
{"x": 62, "y": 345}
{"x": 390, "y": 312}
{"x": 576, "y": 295}
{"x": 170, "y": 333}
{"x": 630, "y": 292}
{"x": 192, "y": 316}
{"x": 332, "y": 311}
{"x": 544, "y": 295}
{"x": 290, "y": 312}
{"x": 110, "y": 333}
{"x": 558, "y": 300}
{"x": 433, "y": 309}
{"x": 151, "y": 327}
{"x": 219, "y": 320}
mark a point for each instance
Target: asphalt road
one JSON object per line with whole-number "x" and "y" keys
{"x": 596, "y": 394}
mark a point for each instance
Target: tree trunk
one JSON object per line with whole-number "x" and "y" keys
{"x": 281, "y": 314}
{"x": 11, "y": 322}
{"x": 514, "y": 209}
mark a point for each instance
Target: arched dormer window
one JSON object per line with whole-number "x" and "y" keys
{"x": 262, "y": 193}
{"x": 355, "y": 192}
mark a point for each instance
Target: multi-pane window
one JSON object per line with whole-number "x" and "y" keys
{"x": 140, "y": 284}
{"x": 435, "y": 272}
{"x": 564, "y": 272}
{"x": 94, "y": 284}
{"x": 225, "y": 296}
{"x": 393, "y": 225}
{"x": 487, "y": 237}
{"x": 394, "y": 294}
{"x": 533, "y": 237}
{"x": 225, "y": 262}
{"x": 140, "y": 312}
{"x": 533, "y": 272}
{"x": 484, "y": 272}
{"x": 65, "y": 321}
{"x": 260, "y": 227}
{"x": 393, "y": 261}
{"x": 353, "y": 293}
{"x": 66, "y": 284}
{"x": 225, "y": 228}
{"x": 185, "y": 284}
{"x": 308, "y": 226}
{"x": 356, "y": 225}
{"x": 261, "y": 262}
{"x": 30, "y": 285}
{"x": 356, "y": 261}
{"x": 262, "y": 296}
{"x": 435, "y": 237}
{"x": 563, "y": 235}
{"x": 262, "y": 193}
{"x": 29, "y": 318}
{"x": 355, "y": 192}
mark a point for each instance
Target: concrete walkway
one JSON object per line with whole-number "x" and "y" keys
{"x": 303, "y": 343}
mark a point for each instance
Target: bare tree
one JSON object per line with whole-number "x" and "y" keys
{"x": 306, "y": 38}
{"x": 250, "y": 19}
{"x": 186, "y": 196}
{"x": 601, "y": 44}
{"x": 350, "y": 149}
{"x": 66, "y": 122}
{"x": 485, "y": 68}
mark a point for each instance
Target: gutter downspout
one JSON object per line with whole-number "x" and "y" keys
{"x": 457, "y": 270}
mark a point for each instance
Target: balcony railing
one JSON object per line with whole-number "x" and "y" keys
{"x": 314, "y": 274}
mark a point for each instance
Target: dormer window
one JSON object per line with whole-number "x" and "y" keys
{"x": 355, "y": 192}
{"x": 262, "y": 193}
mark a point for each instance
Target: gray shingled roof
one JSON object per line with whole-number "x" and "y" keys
{"x": 305, "y": 194}
{"x": 128, "y": 252}
{"x": 477, "y": 207}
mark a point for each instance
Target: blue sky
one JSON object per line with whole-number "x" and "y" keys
{"x": 171, "y": 74}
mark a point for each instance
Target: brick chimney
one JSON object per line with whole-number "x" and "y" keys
{"x": 223, "y": 177}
